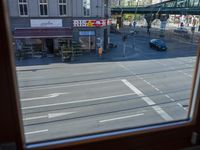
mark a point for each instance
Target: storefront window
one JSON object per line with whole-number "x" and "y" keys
{"x": 87, "y": 40}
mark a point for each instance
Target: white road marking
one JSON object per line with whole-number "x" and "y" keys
{"x": 55, "y": 115}
{"x": 147, "y": 82}
{"x": 77, "y": 101}
{"x": 150, "y": 102}
{"x": 167, "y": 96}
{"x": 34, "y": 118}
{"x": 172, "y": 99}
{"x": 156, "y": 89}
{"x": 182, "y": 106}
{"x": 35, "y": 132}
{"x": 179, "y": 104}
{"x": 132, "y": 87}
{"x": 49, "y": 116}
{"x": 64, "y": 86}
{"x": 53, "y": 95}
{"x": 162, "y": 113}
{"x": 119, "y": 118}
{"x": 147, "y": 101}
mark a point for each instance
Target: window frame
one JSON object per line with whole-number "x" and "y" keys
{"x": 23, "y": 3}
{"x": 62, "y": 5}
{"x": 173, "y": 136}
{"x": 88, "y": 11}
{"x": 43, "y": 4}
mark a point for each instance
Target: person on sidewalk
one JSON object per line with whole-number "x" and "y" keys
{"x": 100, "y": 52}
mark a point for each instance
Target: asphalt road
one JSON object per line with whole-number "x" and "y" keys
{"x": 146, "y": 87}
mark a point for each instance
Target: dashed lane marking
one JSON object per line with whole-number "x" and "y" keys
{"x": 35, "y": 132}
{"x": 119, "y": 118}
{"x": 150, "y": 102}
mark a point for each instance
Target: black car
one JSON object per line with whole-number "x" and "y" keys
{"x": 112, "y": 45}
{"x": 158, "y": 44}
{"x": 181, "y": 30}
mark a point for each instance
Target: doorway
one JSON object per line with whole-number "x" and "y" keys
{"x": 50, "y": 46}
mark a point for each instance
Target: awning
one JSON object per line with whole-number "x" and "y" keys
{"x": 42, "y": 32}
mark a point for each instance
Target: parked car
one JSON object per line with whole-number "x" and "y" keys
{"x": 181, "y": 30}
{"x": 112, "y": 45}
{"x": 158, "y": 44}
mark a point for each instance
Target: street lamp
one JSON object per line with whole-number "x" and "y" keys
{"x": 134, "y": 24}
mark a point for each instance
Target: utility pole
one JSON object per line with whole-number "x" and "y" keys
{"x": 124, "y": 39}
{"x": 134, "y": 24}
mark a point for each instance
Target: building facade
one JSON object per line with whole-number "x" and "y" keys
{"x": 47, "y": 25}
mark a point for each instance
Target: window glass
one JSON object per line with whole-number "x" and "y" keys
{"x": 86, "y": 7}
{"x": 82, "y": 75}
{"x": 43, "y": 4}
{"x": 23, "y": 4}
{"x": 62, "y": 7}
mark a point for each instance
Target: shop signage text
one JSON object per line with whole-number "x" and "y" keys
{"x": 46, "y": 23}
{"x": 91, "y": 23}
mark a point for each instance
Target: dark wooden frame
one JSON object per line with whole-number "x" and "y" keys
{"x": 11, "y": 127}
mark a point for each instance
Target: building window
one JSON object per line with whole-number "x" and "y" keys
{"x": 23, "y": 7}
{"x": 63, "y": 7}
{"x": 86, "y": 8}
{"x": 43, "y": 4}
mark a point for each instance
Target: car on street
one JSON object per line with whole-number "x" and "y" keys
{"x": 181, "y": 30}
{"x": 157, "y": 44}
{"x": 112, "y": 45}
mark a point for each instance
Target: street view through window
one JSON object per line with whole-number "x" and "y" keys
{"x": 93, "y": 66}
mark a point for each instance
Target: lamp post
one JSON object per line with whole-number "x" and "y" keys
{"x": 134, "y": 24}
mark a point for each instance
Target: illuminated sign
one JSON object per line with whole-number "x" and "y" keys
{"x": 91, "y": 23}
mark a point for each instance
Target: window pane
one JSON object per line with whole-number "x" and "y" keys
{"x": 41, "y": 10}
{"x": 45, "y": 10}
{"x": 25, "y": 10}
{"x": 64, "y": 10}
{"x": 79, "y": 75}
{"x": 61, "y": 12}
{"x": 21, "y": 9}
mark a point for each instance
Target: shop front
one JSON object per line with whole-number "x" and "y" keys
{"x": 44, "y": 37}
{"x": 42, "y": 41}
{"x": 91, "y": 34}
{"x": 87, "y": 40}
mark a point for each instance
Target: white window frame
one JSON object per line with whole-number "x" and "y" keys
{"x": 62, "y": 4}
{"x": 23, "y": 3}
{"x": 88, "y": 11}
{"x": 43, "y": 3}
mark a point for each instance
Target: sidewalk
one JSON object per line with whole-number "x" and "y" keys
{"x": 114, "y": 54}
